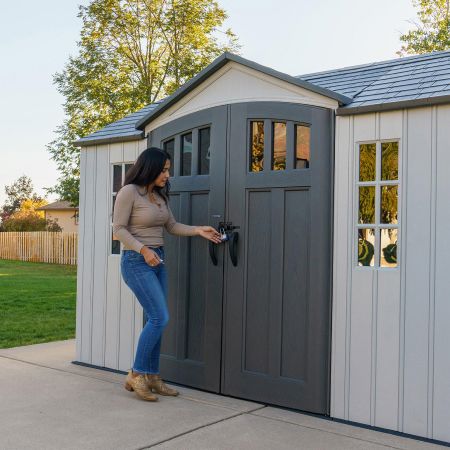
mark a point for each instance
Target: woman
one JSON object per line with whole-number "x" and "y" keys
{"x": 141, "y": 211}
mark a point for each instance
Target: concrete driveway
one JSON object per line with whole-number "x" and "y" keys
{"x": 49, "y": 403}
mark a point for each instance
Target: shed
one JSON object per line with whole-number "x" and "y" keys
{"x": 335, "y": 299}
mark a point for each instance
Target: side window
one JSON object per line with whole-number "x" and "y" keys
{"x": 118, "y": 177}
{"x": 377, "y": 203}
{"x": 193, "y": 157}
{"x": 289, "y": 145}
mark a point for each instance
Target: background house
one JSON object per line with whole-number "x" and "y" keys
{"x": 335, "y": 298}
{"x": 65, "y": 214}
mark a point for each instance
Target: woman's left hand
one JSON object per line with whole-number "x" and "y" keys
{"x": 209, "y": 233}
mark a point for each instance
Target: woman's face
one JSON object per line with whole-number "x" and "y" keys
{"x": 163, "y": 177}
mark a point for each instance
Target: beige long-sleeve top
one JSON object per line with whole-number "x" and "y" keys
{"x": 138, "y": 222}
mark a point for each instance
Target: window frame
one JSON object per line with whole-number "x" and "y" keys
{"x": 112, "y": 195}
{"x": 177, "y": 162}
{"x": 378, "y": 183}
{"x": 291, "y": 140}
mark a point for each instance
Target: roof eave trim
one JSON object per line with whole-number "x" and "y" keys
{"x": 219, "y": 63}
{"x": 107, "y": 140}
{"x": 380, "y": 107}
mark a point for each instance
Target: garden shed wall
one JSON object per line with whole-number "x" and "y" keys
{"x": 109, "y": 320}
{"x": 390, "y": 334}
{"x": 390, "y": 365}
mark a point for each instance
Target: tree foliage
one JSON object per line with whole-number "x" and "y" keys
{"x": 131, "y": 53}
{"x": 432, "y": 31}
{"x": 30, "y": 222}
{"x": 19, "y": 213}
{"x": 19, "y": 191}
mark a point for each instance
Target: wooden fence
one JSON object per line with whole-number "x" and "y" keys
{"x": 39, "y": 246}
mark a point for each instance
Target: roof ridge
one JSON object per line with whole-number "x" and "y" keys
{"x": 394, "y": 61}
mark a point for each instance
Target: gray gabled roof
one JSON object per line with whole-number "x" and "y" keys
{"x": 119, "y": 131}
{"x": 398, "y": 83}
{"x": 402, "y": 82}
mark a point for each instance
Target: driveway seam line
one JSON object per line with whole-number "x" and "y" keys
{"x": 196, "y": 429}
{"x": 182, "y": 397}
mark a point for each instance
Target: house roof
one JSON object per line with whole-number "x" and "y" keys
{"x": 402, "y": 82}
{"x": 59, "y": 205}
{"x": 387, "y": 85}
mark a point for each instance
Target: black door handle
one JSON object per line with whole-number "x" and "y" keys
{"x": 232, "y": 247}
{"x": 212, "y": 253}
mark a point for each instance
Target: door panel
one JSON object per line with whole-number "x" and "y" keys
{"x": 190, "y": 352}
{"x": 272, "y": 343}
{"x": 276, "y": 333}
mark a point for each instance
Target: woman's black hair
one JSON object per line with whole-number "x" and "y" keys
{"x": 147, "y": 168}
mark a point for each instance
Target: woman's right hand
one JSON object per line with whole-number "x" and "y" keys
{"x": 150, "y": 256}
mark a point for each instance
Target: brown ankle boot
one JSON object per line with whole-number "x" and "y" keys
{"x": 157, "y": 385}
{"x": 139, "y": 385}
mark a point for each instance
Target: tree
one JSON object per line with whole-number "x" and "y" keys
{"x": 20, "y": 190}
{"x": 27, "y": 218}
{"x": 131, "y": 53}
{"x": 432, "y": 33}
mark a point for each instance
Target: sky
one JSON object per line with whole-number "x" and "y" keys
{"x": 291, "y": 36}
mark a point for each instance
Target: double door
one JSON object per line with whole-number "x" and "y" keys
{"x": 251, "y": 317}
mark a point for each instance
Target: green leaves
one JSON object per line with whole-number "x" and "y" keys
{"x": 432, "y": 33}
{"x": 131, "y": 53}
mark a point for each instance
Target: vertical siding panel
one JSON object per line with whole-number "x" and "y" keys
{"x": 417, "y": 275}
{"x": 130, "y": 150}
{"x": 80, "y": 265}
{"x": 388, "y": 312}
{"x": 388, "y": 342}
{"x": 403, "y": 193}
{"x": 361, "y": 346}
{"x": 361, "y": 282}
{"x": 126, "y": 323}
{"x": 112, "y": 313}
{"x": 142, "y": 145}
{"x": 112, "y": 323}
{"x": 88, "y": 244}
{"x": 432, "y": 258}
{"x": 391, "y": 125}
{"x": 441, "y": 394}
{"x": 340, "y": 267}
{"x": 101, "y": 235}
{"x": 116, "y": 153}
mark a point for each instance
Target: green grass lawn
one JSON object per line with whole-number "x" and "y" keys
{"x": 37, "y": 302}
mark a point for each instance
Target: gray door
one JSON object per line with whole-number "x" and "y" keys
{"x": 190, "y": 352}
{"x": 255, "y": 325}
{"x": 276, "y": 334}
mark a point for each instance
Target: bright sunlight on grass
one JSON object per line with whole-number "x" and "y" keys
{"x": 37, "y": 302}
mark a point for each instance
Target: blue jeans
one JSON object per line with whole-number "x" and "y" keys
{"x": 149, "y": 285}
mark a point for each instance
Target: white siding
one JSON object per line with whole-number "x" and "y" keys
{"x": 100, "y": 232}
{"x": 441, "y": 376}
{"x": 109, "y": 319}
{"x": 390, "y": 364}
